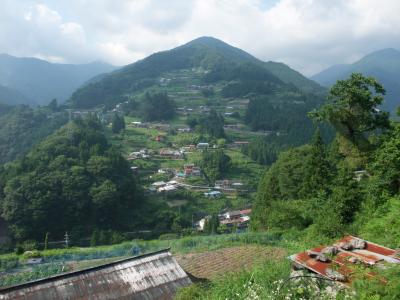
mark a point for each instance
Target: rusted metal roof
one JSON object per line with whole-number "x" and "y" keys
{"x": 155, "y": 275}
{"x": 337, "y": 261}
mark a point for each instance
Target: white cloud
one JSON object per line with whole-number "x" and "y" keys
{"x": 306, "y": 34}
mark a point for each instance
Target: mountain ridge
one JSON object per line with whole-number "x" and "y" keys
{"x": 383, "y": 64}
{"x": 219, "y": 60}
{"x": 41, "y": 81}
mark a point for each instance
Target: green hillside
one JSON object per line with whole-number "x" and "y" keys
{"x": 22, "y": 127}
{"x": 208, "y": 61}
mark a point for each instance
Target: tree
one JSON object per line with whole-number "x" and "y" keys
{"x": 212, "y": 124}
{"x": 211, "y": 224}
{"x": 352, "y": 108}
{"x": 385, "y": 168}
{"x": 118, "y": 123}
{"x": 340, "y": 207}
{"x": 317, "y": 169}
{"x": 157, "y": 107}
{"x": 53, "y": 105}
{"x": 214, "y": 164}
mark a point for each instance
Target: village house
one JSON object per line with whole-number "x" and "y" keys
{"x": 232, "y": 215}
{"x": 167, "y": 188}
{"x": 172, "y": 154}
{"x": 159, "y": 184}
{"x": 138, "y": 124}
{"x": 201, "y": 146}
{"x": 227, "y": 184}
{"x": 161, "y": 126}
{"x": 159, "y": 138}
{"x": 170, "y": 186}
{"x": 168, "y": 171}
{"x": 204, "y": 109}
{"x": 213, "y": 194}
{"x": 238, "y": 218}
{"x": 360, "y": 174}
{"x": 184, "y": 130}
{"x": 135, "y": 170}
{"x": 191, "y": 170}
{"x": 188, "y": 148}
{"x": 143, "y": 153}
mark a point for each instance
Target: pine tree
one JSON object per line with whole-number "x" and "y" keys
{"x": 318, "y": 169}
{"x": 118, "y": 123}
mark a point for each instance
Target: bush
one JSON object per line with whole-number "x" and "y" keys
{"x": 30, "y": 245}
{"x": 370, "y": 289}
{"x": 19, "y": 250}
{"x": 168, "y": 236}
{"x": 32, "y": 254}
{"x": 382, "y": 227}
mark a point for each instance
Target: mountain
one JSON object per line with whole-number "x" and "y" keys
{"x": 40, "y": 81}
{"x": 10, "y": 96}
{"x": 22, "y": 127}
{"x": 205, "y": 61}
{"x": 383, "y": 64}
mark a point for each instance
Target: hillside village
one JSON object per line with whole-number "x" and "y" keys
{"x": 203, "y": 172}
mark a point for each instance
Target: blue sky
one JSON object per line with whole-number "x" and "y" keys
{"x": 308, "y": 35}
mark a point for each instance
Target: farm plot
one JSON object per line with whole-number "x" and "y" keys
{"x": 213, "y": 263}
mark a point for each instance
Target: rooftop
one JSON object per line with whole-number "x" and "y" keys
{"x": 150, "y": 276}
{"x": 337, "y": 262}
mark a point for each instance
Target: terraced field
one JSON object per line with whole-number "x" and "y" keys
{"x": 213, "y": 263}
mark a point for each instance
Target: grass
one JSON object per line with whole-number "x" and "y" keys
{"x": 9, "y": 262}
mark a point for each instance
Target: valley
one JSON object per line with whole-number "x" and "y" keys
{"x": 231, "y": 163}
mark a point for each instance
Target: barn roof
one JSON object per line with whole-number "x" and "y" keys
{"x": 337, "y": 261}
{"x": 150, "y": 276}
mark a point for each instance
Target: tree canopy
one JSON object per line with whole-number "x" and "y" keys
{"x": 73, "y": 181}
{"x": 353, "y": 108}
{"x": 157, "y": 107}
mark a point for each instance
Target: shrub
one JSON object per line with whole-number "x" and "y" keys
{"x": 32, "y": 254}
{"x": 168, "y": 236}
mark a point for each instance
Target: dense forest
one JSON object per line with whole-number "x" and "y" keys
{"x": 22, "y": 127}
{"x": 347, "y": 186}
{"x": 73, "y": 181}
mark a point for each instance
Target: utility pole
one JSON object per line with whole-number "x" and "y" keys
{"x": 66, "y": 239}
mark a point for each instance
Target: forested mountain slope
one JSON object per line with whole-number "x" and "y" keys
{"x": 383, "y": 65}
{"x": 347, "y": 186}
{"x": 218, "y": 62}
{"x": 21, "y": 127}
{"x": 72, "y": 181}
{"x": 41, "y": 81}
{"x": 9, "y": 96}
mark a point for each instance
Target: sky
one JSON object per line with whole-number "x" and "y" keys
{"x": 308, "y": 35}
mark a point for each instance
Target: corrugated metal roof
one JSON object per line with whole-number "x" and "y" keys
{"x": 337, "y": 261}
{"x": 155, "y": 275}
